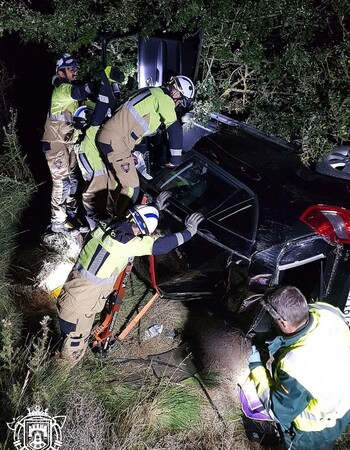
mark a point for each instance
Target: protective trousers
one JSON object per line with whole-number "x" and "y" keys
{"x": 99, "y": 183}
{"x": 116, "y": 140}
{"x": 97, "y": 198}
{"x": 77, "y": 305}
{"x": 62, "y": 164}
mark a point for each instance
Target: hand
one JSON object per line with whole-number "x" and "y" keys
{"x": 147, "y": 199}
{"x": 114, "y": 74}
{"x": 161, "y": 200}
{"x": 254, "y": 358}
{"x": 193, "y": 221}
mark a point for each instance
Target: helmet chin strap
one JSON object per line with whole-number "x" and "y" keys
{"x": 177, "y": 100}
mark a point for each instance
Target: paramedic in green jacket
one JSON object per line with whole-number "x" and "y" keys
{"x": 103, "y": 257}
{"x": 141, "y": 115}
{"x": 57, "y": 141}
{"x": 308, "y": 392}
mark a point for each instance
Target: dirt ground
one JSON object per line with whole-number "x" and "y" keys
{"x": 212, "y": 349}
{"x": 217, "y": 349}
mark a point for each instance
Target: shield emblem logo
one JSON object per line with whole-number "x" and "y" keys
{"x": 37, "y": 433}
{"x": 58, "y": 163}
{"x": 125, "y": 167}
{"x": 37, "y": 430}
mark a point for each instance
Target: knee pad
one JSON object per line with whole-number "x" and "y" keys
{"x": 66, "y": 327}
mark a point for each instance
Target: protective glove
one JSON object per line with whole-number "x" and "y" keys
{"x": 254, "y": 359}
{"x": 193, "y": 221}
{"x": 114, "y": 74}
{"x": 161, "y": 200}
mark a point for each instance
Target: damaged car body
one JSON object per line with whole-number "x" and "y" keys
{"x": 269, "y": 220}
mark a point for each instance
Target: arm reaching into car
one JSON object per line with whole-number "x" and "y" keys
{"x": 167, "y": 243}
{"x": 161, "y": 200}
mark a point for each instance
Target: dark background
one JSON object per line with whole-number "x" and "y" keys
{"x": 32, "y": 67}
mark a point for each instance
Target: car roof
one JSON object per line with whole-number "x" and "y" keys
{"x": 265, "y": 163}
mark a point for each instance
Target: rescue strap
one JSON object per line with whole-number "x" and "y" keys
{"x": 102, "y": 334}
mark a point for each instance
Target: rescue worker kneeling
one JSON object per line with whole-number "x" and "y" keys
{"x": 105, "y": 254}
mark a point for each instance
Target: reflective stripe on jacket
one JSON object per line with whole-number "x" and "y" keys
{"x": 88, "y": 155}
{"x": 106, "y": 251}
{"x": 310, "y": 385}
{"x": 154, "y": 107}
{"x": 147, "y": 110}
{"x": 58, "y": 125}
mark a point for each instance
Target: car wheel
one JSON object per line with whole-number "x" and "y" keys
{"x": 336, "y": 164}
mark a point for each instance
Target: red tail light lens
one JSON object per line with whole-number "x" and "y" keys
{"x": 333, "y": 222}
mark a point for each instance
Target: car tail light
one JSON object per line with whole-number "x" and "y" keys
{"x": 333, "y": 222}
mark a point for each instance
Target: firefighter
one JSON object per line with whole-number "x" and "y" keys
{"x": 308, "y": 393}
{"x": 99, "y": 182}
{"x": 141, "y": 115}
{"x": 104, "y": 255}
{"x": 57, "y": 141}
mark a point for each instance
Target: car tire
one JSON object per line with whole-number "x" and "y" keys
{"x": 336, "y": 164}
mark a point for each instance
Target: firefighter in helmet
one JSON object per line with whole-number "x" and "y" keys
{"x": 142, "y": 115}
{"x": 103, "y": 257}
{"x": 57, "y": 141}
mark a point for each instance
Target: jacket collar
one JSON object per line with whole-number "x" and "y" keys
{"x": 286, "y": 340}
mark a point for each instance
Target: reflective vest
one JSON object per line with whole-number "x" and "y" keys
{"x": 152, "y": 107}
{"x": 319, "y": 361}
{"x": 58, "y": 126}
{"x": 107, "y": 250}
{"x": 89, "y": 158}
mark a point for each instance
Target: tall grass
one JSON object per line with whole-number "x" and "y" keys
{"x": 16, "y": 187}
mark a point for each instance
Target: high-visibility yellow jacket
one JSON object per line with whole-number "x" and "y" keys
{"x": 141, "y": 115}
{"x": 154, "y": 106}
{"x": 89, "y": 158}
{"x": 109, "y": 246}
{"x": 311, "y": 372}
{"x": 64, "y": 101}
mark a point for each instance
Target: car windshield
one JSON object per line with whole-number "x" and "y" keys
{"x": 201, "y": 186}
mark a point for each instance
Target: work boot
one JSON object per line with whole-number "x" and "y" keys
{"x": 64, "y": 228}
{"x": 79, "y": 227}
{"x": 60, "y": 227}
{"x": 75, "y": 222}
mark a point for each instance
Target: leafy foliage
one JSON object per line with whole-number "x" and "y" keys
{"x": 12, "y": 162}
{"x": 284, "y": 66}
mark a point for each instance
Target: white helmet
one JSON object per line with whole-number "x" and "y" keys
{"x": 81, "y": 117}
{"x": 66, "y": 60}
{"x": 186, "y": 88}
{"x": 145, "y": 217}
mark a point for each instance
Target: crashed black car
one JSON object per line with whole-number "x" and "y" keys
{"x": 268, "y": 219}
